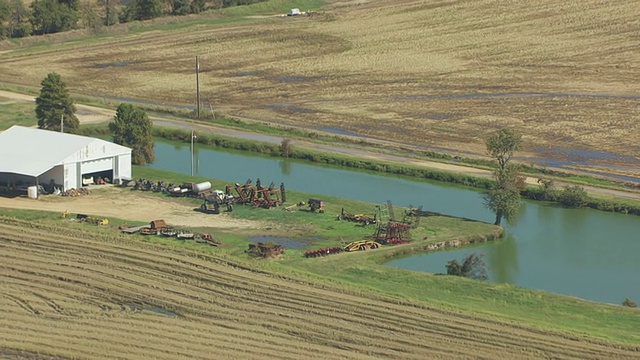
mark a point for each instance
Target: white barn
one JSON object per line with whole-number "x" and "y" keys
{"x": 30, "y": 156}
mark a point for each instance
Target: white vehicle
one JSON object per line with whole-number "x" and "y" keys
{"x": 294, "y": 12}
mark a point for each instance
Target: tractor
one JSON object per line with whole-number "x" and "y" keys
{"x": 316, "y": 205}
{"x": 213, "y": 201}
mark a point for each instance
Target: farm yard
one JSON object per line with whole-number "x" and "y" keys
{"x": 407, "y": 74}
{"x": 440, "y": 75}
{"x": 70, "y": 291}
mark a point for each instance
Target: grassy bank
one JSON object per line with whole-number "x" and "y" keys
{"x": 605, "y": 203}
{"x": 363, "y": 273}
{"x": 365, "y": 270}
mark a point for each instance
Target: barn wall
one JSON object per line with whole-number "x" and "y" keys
{"x": 7, "y": 179}
{"x": 56, "y": 174}
{"x": 123, "y": 163}
{"x": 71, "y": 176}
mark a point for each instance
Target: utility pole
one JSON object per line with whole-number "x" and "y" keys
{"x": 198, "y": 87}
{"x": 62, "y": 123}
{"x": 108, "y": 13}
{"x": 193, "y": 136}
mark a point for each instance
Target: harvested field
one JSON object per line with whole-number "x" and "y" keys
{"x": 441, "y": 74}
{"x": 69, "y": 291}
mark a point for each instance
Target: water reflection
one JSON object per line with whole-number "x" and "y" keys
{"x": 587, "y": 253}
{"x": 502, "y": 260}
{"x": 285, "y": 166}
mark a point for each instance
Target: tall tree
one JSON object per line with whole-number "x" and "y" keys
{"x": 142, "y": 10}
{"x": 131, "y": 127}
{"x": 55, "y": 102}
{"x": 50, "y": 16}
{"x": 502, "y": 146}
{"x": 14, "y": 17}
{"x": 5, "y": 13}
{"x": 504, "y": 198}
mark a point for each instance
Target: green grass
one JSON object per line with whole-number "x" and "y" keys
{"x": 17, "y": 113}
{"x": 502, "y": 301}
{"x": 273, "y": 7}
{"x": 231, "y": 16}
{"x": 590, "y": 181}
{"x": 365, "y": 270}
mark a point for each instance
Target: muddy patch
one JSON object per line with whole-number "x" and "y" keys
{"x": 435, "y": 116}
{"x": 467, "y": 96}
{"x": 146, "y": 307}
{"x": 245, "y": 73}
{"x": 289, "y": 108}
{"x": 337, "y": 131}
{"x": 287, "y": 243}
{"x": 116, "y": 64}
{"x": 293, "y": 79}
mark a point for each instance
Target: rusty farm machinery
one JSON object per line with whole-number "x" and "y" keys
{"x": 389, "y": 231}
{"x": 257, "y": 195}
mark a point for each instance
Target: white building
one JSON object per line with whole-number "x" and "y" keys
{"x": 30, "y": 156}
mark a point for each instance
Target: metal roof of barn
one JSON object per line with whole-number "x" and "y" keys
{"x": 32, "y": 151}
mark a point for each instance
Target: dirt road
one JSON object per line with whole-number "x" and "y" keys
{"x": 109, "y": 201}
{"x": 91, "y": 114}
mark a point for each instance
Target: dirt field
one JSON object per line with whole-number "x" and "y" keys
{"x": 135, "y": 206}
{"x": 69, "y": 293}
{"x": 437, "y": 74}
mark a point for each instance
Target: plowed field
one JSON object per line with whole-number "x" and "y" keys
{"x": 70, "y": 293}
{"x": 442, "y": 74}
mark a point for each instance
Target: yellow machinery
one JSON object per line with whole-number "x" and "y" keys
{"x": 97, "y": 221}
{"x": 85, "y": 218}
{"x": 362, "y": 245}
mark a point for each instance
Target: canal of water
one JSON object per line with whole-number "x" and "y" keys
{"x": 580, "y": 252}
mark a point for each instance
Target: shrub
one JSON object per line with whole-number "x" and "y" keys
{"x": 286, "y": 148}
{"x": 573, "y": 196}
{"x": 628, "y": 303}
{"x": 472, "y": 267}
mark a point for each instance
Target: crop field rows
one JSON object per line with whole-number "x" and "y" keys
{"x": 440, "y": 74}
{"x": 70, "y": 291}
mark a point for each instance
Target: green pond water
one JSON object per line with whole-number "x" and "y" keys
{"x": 585, "y": 253}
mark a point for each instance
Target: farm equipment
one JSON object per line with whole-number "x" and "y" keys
{"x": 96, "y": 221}
{"x": 316, "y": 205}
{"x": 185, "y": 235}
{"x": 148, "y": 231}
{"x": 362, "y": 245}
{"x": 86, "y": 218}
{"x": 265, "y": 250}
{"x": 359, "y": 218}
{"x": 257, "y": 195}
{"x": 182, "y": 190}
{"x": 242, "y": 193}
{"x": 267, "y": 197}
{"x": 207, "y": 239}
{"x": 213, "y": 201}
{"x": 323, "y": 252}
{"x": 168, "y": 232}
{"x": 390, "y": 231}
{"x": 158, "y": 224}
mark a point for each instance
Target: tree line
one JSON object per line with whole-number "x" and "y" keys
{"x": 52, "y": 16}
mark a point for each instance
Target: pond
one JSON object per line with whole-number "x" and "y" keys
{"x": 586, "y": 253}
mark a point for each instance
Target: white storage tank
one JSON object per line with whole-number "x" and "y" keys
{"x": 201, "y": 187}
{"x": 32, "y": 192}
